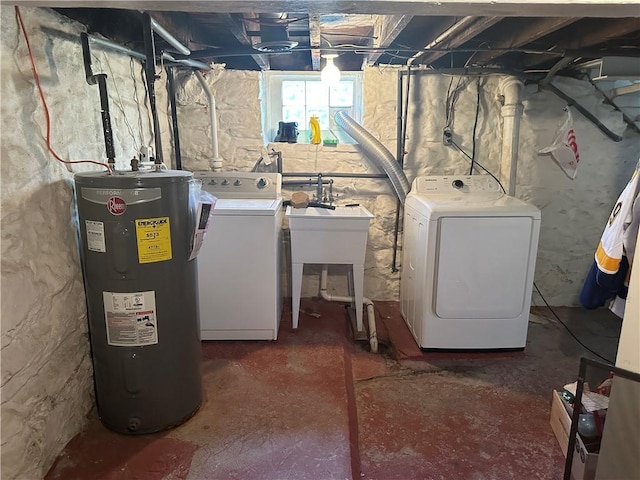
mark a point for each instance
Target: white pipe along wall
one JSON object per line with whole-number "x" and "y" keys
{"x": 216, "y": 161}
{"x": 511, "y": 111}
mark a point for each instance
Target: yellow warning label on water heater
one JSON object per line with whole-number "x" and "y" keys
{"x": 154, "y": 239}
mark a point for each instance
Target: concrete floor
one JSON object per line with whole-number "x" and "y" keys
{"x": 314, "y": 405}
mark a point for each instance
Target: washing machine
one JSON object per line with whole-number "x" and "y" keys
{"x": 240, "y": 263}
{"x": 469, "y": 257}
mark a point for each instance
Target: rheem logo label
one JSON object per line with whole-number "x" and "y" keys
{"x": 116, "y": 206}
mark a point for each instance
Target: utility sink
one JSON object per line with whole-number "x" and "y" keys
{"x": 322, "y": 235}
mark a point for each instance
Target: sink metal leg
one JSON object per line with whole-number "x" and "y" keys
{"x": 358, "y": 288}
{"x": 296, "y": 289}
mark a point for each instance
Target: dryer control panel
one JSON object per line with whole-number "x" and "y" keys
{"x": 448, "y": 184}
{"x": 249, "y": 185}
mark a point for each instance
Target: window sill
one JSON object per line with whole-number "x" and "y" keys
{"x": 299, "y": 147}
{"x": 338, "y": 137}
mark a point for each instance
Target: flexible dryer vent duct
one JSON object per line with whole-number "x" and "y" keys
{"x": 377, "y": 153}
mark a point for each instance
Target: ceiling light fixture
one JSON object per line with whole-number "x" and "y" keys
{"x": 282, "y": 46}
{"x": 330, "y": 73}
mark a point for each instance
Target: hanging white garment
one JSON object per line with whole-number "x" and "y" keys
{"x": 621, "y": 230}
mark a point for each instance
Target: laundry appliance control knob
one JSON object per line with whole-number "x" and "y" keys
{"x": 237, "y": 183}
{"x": 458, "y": 184}
{"x": 262, "y": 183}
{"x": 225, "y": 182}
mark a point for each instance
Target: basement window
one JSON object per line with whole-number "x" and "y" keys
{"x": 296, "y": 96}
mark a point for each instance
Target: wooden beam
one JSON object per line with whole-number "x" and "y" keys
{"x": 386, "y": 30}
{"x": 239, "y": 31}
{"x": 583, "y": 37}
{"x": 535, "y": 29}
{"x": 603, "y": 30}
{"x": 481, "y": 24}
{"x": 459, "y": 8}
{"x": 314, "y": 40}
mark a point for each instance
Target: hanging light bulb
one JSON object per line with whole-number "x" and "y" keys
{"x": 330, "y": 73}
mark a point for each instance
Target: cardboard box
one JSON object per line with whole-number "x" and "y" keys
{"x": 584, "y": 463}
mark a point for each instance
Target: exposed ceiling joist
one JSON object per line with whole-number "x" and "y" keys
{"x": 504, "y": 8}
{"x": 237, "y": 28}
{"x": 535, "y": 29}
{"x": 386, "y": 30}
{"x": 293, "y": 40}
{"x": 607, "y": 29}
{"x": 459, "y": 38}
{"x": 575, "y": 43}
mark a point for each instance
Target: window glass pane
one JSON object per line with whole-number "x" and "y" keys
{"x": 342, "y": 94}
{"x": 296, "y": 97}
{"x": 317, "y": 94}
{"x": 333, "y": 111}
{"x": 292, "y": 93}
{"x": 294, "y": 114}
{"x": 322, "y": 113}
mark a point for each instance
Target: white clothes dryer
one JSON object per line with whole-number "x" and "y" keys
{"x": 469, "y": 257}
{"x": 240, "y": 263}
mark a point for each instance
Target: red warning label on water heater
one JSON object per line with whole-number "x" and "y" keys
{"x": 116, "y": 206}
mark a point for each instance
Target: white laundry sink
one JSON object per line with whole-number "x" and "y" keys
{"x": 321, "y": 235}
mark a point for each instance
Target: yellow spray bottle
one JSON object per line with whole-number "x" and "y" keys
{"x": 314, "y": 127}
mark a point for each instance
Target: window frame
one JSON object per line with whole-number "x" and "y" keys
{"x": 272, "y": 98}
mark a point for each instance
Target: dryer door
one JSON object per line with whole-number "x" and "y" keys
{"x": 482, "y": 267}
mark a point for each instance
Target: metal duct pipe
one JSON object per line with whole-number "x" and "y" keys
{"x": 132, "y": 53}
{"x": 216, "y": 163}
{"x": 377, "y": 153}
{"x": 186, "y": 62}
{"x": 116, "y": 47}
{"x": 173, "y": 41}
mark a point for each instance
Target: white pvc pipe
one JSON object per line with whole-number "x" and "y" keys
{"x": 216, "y": 162}
{"x": 511, "y": 89}
{"x": 373, "y": 335}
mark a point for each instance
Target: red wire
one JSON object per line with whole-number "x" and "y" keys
{"x": 44, "y": 102}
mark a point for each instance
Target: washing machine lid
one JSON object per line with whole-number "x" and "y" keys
{"x": 244, "y": 206}
{"x": 469, "y": 205}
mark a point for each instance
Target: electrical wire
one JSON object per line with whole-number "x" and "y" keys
{"x": 405, "y": 120}
{"x": 568, "y": 329}
{"x": 394, "y": 55}
{"x": 475, "y": 126}
{"x": 136, "y": 99}
{"x": 120, "y": 103}
{"x": 276, "y": 23}
{"x": 459, "y": 148}
{"x": 36, "y": 78}
{"x": 143, "y": 77}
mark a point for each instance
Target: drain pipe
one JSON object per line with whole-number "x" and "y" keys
{"x": 373, "y": 335}
{"x": 216, "y": 162}
{"x": 511, "y": 88}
